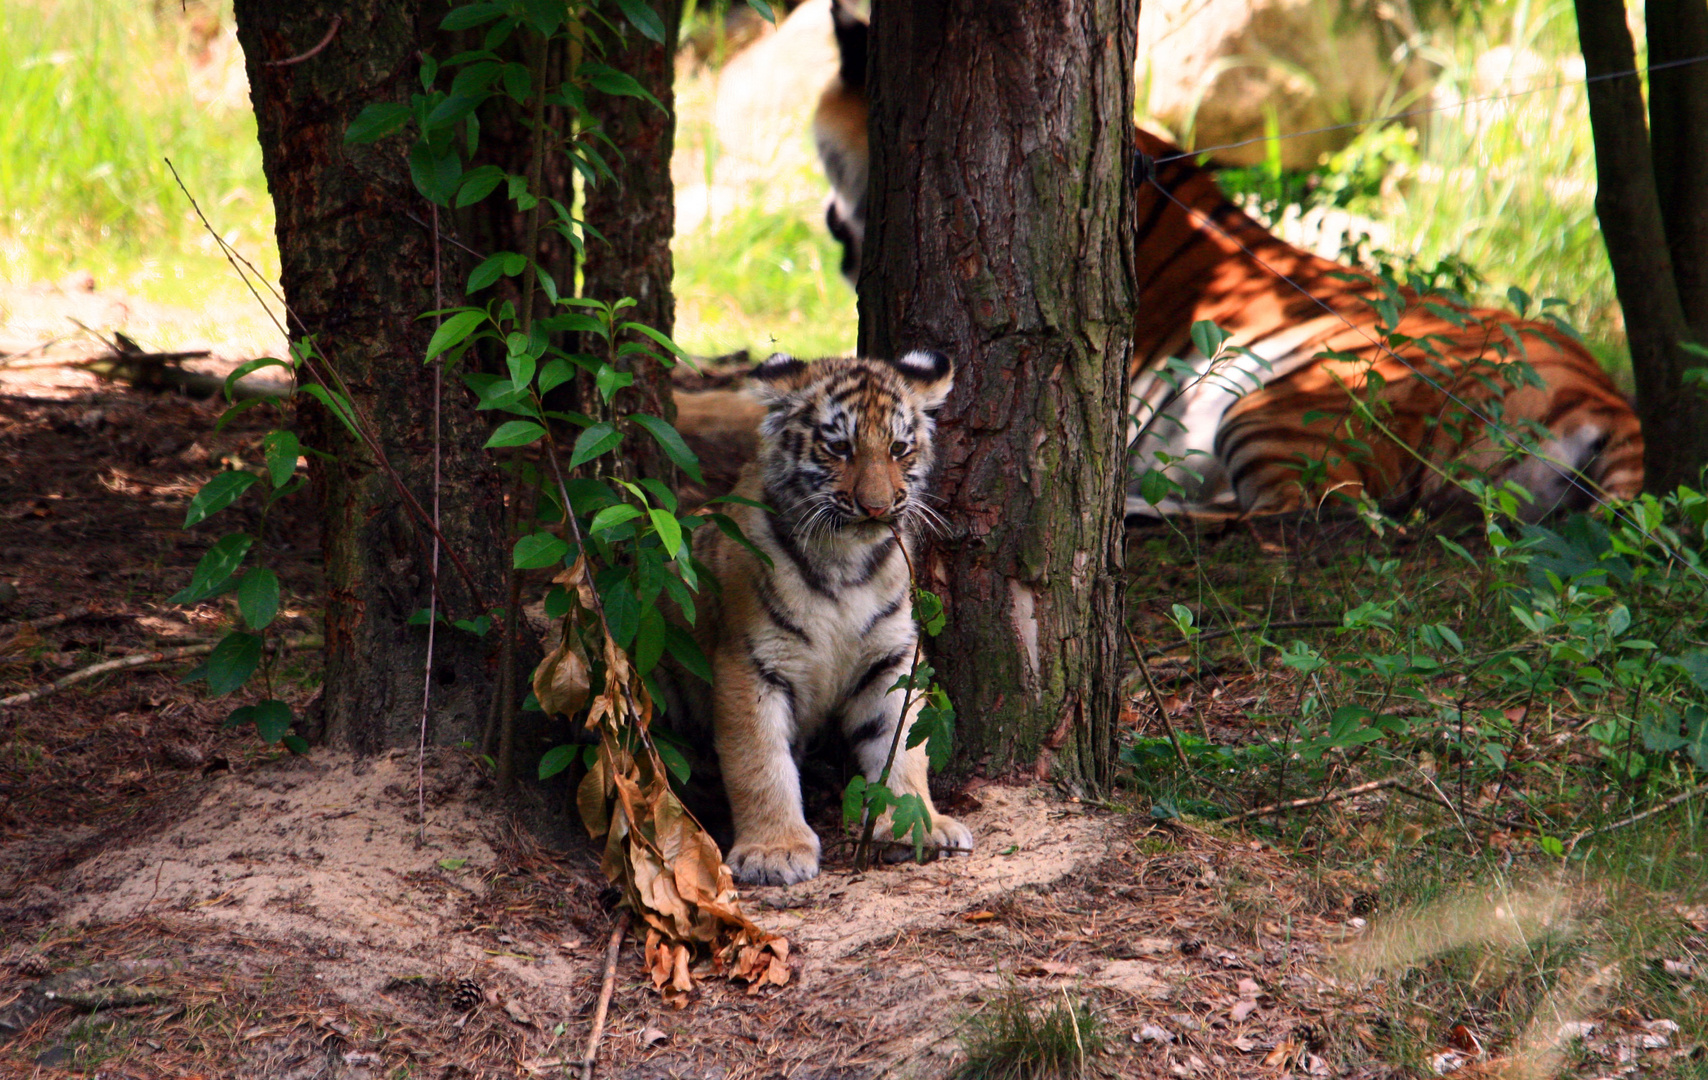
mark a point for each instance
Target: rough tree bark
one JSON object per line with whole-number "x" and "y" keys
{"x": 357, "y": 273}
{"x": 637, "y": 215}
{"x": 1678, "y": 121}
{"x": 1000, "y": 232}
{"x": 1629, "y": 204}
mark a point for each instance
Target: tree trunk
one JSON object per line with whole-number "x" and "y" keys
{"x": 1675, "y": 418}
{"x": 1001, "y": 233}
{"x": 637, "y": 217}
{"x": 1678, "y": 123}
{"x": 357, "y": 273}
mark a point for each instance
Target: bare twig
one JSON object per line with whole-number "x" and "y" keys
{"x": 1442, "y": 800}
{"x": 863, "y": 850}
{"x": 1212, "y": 635}
{"x": 433, "y": 575}
{"x": 70, "y": 614}
{"x": 1315, "y": 800}
{"x": 330, "y": 379}
{"x": 590, "y": 1056}
{"x": 331, "y": 32}
{"x": 160, "y": 656}
{"x": 1696, "y": 792}
{"x": 1161, "y": 709}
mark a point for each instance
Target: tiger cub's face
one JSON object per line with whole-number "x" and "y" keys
{"x": 846, "y": 443}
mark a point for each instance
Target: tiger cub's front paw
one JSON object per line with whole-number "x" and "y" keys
{"x": 781, "y": 861}
{"x": 948, "y": 836}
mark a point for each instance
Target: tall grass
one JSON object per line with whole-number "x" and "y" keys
{"x": 98, "y": 94}
{"x": 1509, "y": 186}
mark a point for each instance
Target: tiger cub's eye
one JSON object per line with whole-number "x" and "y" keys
{"x": 898, "y": 449}
{"x": 840, "y": 448}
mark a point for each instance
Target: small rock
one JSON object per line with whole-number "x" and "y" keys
{"x": 1152, "y": 1033}
{"x": 652, "y": 1037}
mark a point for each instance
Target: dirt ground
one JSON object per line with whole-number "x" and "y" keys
{"x": 178, "y": 901}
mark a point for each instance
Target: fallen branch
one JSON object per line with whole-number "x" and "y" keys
{"x": 71, "y": 614}
{"x": 1682, "y": 797}
{"x": 160, "y": 656}
{"x": 591, "y": 1055}
{"x": 1442, "y": 800}
{"x": 1315, "y": 800}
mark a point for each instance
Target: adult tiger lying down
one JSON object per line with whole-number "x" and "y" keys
{"x": 1279, "y": 430}
{"x": 821, "y": 632}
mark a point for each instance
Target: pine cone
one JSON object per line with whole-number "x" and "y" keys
{"x": 466, "y": 995}
{"x": 31, "y": 965}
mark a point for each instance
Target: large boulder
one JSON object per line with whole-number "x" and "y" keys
{"x": 1214, "y": 72}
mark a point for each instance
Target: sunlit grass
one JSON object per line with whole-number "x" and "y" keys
{"x": 98, "y": 95}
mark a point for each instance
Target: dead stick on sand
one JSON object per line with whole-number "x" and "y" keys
{"x": 161, "y": 656}
{"x": 591, "y": 1055}
{"x": 68, "y": 615}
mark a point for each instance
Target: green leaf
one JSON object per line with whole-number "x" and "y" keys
{"x": 454, "y": 863}
{"x": 649, "y": 639}
{"x": 729, "y": 528}
{"x": 454, "y": 329}
{"x": 217, "y": 494}
{"x": 214, "y": 572}
{"x": 669, "y": 531}
{"x": 435, "y": 176}
{"x": 611, "y": 517}
{"x": 538, "y": 550}
{"x": 673, "y": 760}
{"x": 232, "y": 661}
{"x": 674, "y": 349}
{"x": 258, "y": 598}
{"x": 553, "y": 374}
{"x": 599, "y": 439}
{"x": 854, "y": 799}
{"x": 467, "y": 15}
{"x": 249, "y": 367}
{"x": 670, "y": 440}
{"x": 282, "y": 450}
{"x": 644, "y": 19}
{"x": 296, "y": 744}
{"x": 686, "y": 650}
{"x": 609, "y": 80}
{"x": 490, "y": 270}
{"x": 610, "y": 380}
{"x": 377, "y": 121}
{"x": 272, "y": 720}
{"x": 335, "y": 404}
{"x": 556, "y": 760}
{"x": 448, "y": 112}
{"x": 622, "y": 612}
{"x": 515, "y": 433}
{"x": 764, "y": 10}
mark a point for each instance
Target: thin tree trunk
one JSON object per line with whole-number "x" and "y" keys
{"x": 637, "y": 217}
{"x": 1675, "y": 420}
{"x": 1000, "y": 232}
{"x": 1678, "y": 123}
{"x": 358, "y": 273}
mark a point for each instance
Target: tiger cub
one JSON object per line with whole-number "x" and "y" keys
{"x": 823, "y": 632}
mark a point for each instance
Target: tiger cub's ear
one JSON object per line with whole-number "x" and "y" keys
{"x": 929, "y": 375}
{"x": 777, "y": 377}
